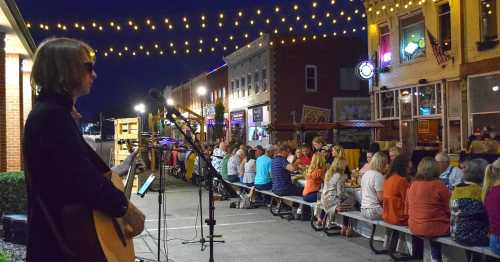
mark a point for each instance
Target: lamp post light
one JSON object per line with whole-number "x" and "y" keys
{"x": 202, "y": 91}
{"x": 140, "y": 109}
{"x": 170, "y": 101}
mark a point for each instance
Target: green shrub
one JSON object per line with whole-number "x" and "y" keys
{"x": 13, "y": 198}
{"x": 4, "y": 257}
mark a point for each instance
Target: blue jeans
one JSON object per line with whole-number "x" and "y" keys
{"x": 495, "y": 244}
{"x": 436, "y": 250}
{"x": 291, "y": 190}
{"x": 233, "y": 178}
{"x": 267, "y": 186}
{"x": 311, "y": 197}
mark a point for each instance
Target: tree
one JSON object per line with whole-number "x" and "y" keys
{"x": 219, "y": 120}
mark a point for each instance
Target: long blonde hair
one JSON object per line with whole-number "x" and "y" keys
{"x": 338, "y": 166}
{"x": 339, "y": 151}
{"x": 491, "y": 175}
{"x": 318, "y": 161}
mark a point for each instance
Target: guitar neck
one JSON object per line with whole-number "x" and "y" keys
{"x": 129, "y": 181}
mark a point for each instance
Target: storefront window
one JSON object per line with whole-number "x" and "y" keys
{"x": 258, "y": 121}
{"x": 390, "y": 131}
{"x": 429, "y": 132}
{"x": 484, "y": 93}
{"x": 429, "y": 100}
{"x": 385, "y": 47}
{"x": 387, "y": 100}
{"x": 405, "y": 101}
{"x": 412, "y": 44}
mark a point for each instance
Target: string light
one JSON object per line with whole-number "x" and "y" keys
{"x": 149, "y": 22}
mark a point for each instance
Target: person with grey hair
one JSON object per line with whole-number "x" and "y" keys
{"x": 234, "y": 166}
{"x": 450, "y": 175}
{"x": 469, "y": 220}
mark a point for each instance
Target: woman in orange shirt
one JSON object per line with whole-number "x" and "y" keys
{"x": 314, "y": 178}
{"x": 395, "y": 188}
{"x": 428, "y": 205}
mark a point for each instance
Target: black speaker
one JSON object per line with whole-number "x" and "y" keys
{"x": 15, "y": 227}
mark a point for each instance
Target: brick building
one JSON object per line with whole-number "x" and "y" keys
{"x": 439, "y": 65}
{"x": 217, "y": 90}
{"x": 16, "y": 95}
{"x": 277, "y": 80}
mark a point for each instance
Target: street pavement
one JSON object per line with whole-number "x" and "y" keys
{"x": 250, "y": 234}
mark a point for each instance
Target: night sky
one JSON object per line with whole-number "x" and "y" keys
{"x": 124, "y": 81}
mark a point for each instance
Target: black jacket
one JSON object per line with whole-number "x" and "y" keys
{"x": 61, "y": 169}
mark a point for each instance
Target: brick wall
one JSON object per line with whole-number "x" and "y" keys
{"x": 3, "y": 137}
{"x": 13, "y": 110}
{"x": 329, "y": 55}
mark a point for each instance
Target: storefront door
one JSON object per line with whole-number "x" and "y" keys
{"x": 408, "y": 135}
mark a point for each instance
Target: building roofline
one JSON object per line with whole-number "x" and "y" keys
{"x": 16, "y": 16}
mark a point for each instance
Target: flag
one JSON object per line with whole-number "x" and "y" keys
{"x": 441, "y": 56}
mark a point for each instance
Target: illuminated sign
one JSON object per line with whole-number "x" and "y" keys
{"x": 365, "y": 70}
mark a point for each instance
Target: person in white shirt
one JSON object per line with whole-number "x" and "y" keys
{"x": 372, "y": 187}
{"x": 233, "y": 166}
{"x": 249, "y": 169}
{"x": 451, "y": 176}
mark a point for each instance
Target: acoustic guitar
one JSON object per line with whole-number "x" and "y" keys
{"x": 92, "y": 236}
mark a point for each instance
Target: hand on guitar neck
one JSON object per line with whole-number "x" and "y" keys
{"x": 134, "y": 219}
{"x": 121, "y": 169}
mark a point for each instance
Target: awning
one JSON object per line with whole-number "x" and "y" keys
{"x": 357, "y": 124}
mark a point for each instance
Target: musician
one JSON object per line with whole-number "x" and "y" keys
{"x": 61, "y": 169}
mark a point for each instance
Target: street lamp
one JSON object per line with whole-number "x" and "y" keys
{"x": 140, "y": 109}
{"x": 170, "y": 101}
{"x": 202, "y": 91}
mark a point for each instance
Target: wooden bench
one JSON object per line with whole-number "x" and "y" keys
{"x": 359, "y": 217}
{"x": 277, "y": 210}
{"x": 404, "y": 229}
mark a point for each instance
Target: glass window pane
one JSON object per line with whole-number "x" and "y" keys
{"x": 405, "y": 100}
{"x": 385, "y": 47}
{"x": 445, "y": 26}
{"x": 412, "y": 44}
{"x": 426, "y": 100}
{"x": 438, "y": 99}
{"x": 488, "y": 19}
{"x": 387, "y": 104}
{"x": 310, "y": 83}
{"x": 256, "y": 82}
{"x": 485, "y": 94}
{"x": 243, "y": 87}
{"x": 249, "y": 83}
{"x": 397, "y": 103}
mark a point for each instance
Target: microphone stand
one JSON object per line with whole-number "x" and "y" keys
{"x": 210, "y": 221}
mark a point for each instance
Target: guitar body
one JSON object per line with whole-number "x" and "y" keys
{"x": 110, "y": 232}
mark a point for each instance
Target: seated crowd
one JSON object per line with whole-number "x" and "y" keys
{"x": 436, "y": 200}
